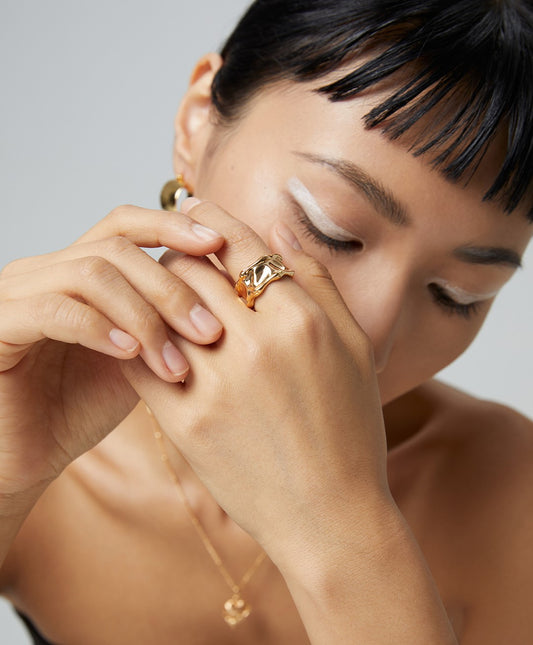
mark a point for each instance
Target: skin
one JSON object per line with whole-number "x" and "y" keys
{"x": 375, "y": 332}
{"x": 410, "y": 336}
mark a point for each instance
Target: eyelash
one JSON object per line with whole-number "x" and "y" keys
{"x": 312, "y": 232}
{"x": 451, "y": 306}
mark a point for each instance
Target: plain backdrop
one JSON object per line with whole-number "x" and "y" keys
{"x": 88, "y": 96}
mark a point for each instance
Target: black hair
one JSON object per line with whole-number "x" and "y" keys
{"x": 470, "y": 60}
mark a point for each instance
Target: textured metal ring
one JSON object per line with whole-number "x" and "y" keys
{"x": 255, "y": 279}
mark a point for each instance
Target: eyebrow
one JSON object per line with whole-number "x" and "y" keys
{"x": 387, "y": 205}
{"x": 489, "y": 255}
{"x": 382, "y": 199}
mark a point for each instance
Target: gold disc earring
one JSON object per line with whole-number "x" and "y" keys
{"x": 173, "y": 194}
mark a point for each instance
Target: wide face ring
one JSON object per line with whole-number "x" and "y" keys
{"x": 256, "y": 278}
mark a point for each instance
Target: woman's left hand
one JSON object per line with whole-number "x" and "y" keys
{"x": 281, "y": 418}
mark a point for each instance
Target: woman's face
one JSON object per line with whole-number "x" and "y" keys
{"x": 414, "y": 256}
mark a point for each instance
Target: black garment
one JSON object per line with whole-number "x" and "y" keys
{"x": 37, "y": 638}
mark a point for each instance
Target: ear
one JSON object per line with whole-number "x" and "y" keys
{"x": 193, "y": 123}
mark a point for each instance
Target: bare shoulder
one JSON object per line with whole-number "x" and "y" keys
{"x": 478, "y": 437}
{"x": 473, "y": 453}
{"x": 465, "y": 484}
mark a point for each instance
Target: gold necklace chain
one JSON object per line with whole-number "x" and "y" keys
{"x": 236, "y": 609}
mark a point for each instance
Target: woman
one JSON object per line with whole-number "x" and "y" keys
{"x": 276, "y": 439}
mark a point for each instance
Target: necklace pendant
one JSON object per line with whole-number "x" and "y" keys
{"x": 235, "y": 610}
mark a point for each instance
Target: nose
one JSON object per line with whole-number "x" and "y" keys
{"x": 378, "y": 301}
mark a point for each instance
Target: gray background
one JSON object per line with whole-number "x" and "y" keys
{"x": 89, "y": 92}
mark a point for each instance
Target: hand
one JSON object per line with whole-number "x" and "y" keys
{"x": 281, "y": 418}
{"x": 66, "y": 321}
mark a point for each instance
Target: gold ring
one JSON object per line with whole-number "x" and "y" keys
{"x": 255, "y": 279}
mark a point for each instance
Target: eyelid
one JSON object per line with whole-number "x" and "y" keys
{"x": 460, "y": 295}
{"x": 329, "y": 233}
{"x": 307, "y": 202}
{"x": 317, "y": 236}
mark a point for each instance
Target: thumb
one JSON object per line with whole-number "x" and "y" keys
{"x": 314, "y": 278}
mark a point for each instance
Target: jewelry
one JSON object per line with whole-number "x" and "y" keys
{"x": 236, "y": 609}
{"x": 173, "y": 194}
{"x": 255, "y": 279}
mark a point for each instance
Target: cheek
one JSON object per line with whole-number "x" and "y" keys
{"x": 449, "y": 335}
{"x": 432, "y": 344}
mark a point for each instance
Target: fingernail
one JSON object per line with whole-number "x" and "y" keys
{"x": 189, "y": 203}
{"x": 285, "y": 232}
{"x": 204, "y": 321}
{"x": 123, "y": 341}
{"x": 176, "y": 363}
{"x": 204, "y": 233}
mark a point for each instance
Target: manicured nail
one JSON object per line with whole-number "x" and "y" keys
{"x": 285, "y": 232}
{"x": 189, "y": 203}
{"x": 123, "y": 341}
{"x": 176, "y": 363}
{"x": 204, "y": 233}
{"x": 204, "y": 321}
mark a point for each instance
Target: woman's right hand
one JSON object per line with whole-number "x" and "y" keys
{"x": 67, "y": 319}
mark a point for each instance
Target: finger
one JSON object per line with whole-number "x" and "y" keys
{"x": 178, "y": 305}
{"x": 316, "y": 280}
{"x": 156, "y": 394}
{"x": 61, "y": 318}
{"x": 243, "y": 247}
{"x": 142, "y": 227}
{"x": 152, "y": 228}
{"x": 212, "y": 284}
{"x": 99, "y": 284}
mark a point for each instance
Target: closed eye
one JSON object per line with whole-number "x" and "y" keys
{"x": 450, "y": 306}
{"x": 316, "y": 235}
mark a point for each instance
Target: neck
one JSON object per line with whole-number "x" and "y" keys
{"x": 407, "y": 415}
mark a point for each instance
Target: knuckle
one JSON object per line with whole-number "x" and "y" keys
{"x": 63, "y": 309}
{"x": 147, "y": 320}
{"x": 170, "y": 258}
{"x": 304, "y": 327}
{"x": 186, "y": 267}
{"x": 171, "y": 291}
{"x": 118, "y": 245}
{"x": 79, "y": 317}
{"x": 205, "y": 210}
{"x": 95, "y": 267}
{"x": 252, "y": 349}
{"x": 119, "y": 213}
{"x": 114, "y": 223}
{"x": 242, "y": 235}
{"x": 12, "y": 268}
{"x": 308, "y": 322}
{"x": 180, "y": 264}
